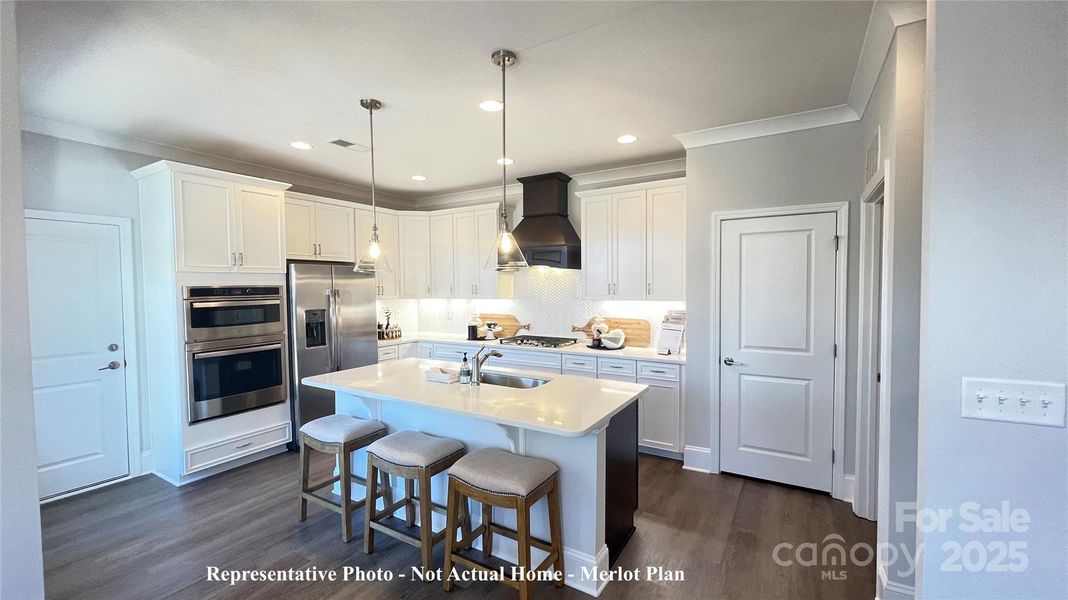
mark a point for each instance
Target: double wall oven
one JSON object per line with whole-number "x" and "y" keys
{"x": 235, "y": 349}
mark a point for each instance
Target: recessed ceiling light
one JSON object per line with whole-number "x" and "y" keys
{"x": 627, "y": 139}
{"x": 299, "y": 145}
{"x": 504, "y": 161}
{"x": 490, "y": 105}
{"x": 418, "y": 177}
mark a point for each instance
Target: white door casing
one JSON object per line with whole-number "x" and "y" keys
{"x": 778, "y": 323}
{"x": 81, "y": 320}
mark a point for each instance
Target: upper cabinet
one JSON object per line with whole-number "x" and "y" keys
{"x": 442, "y": 257}
{"x": 414, "y": 274}
{"x": 318, "y": 230}
{"x": 388, "y": 241}
{"x": 634, "y": 242}
{"x": 221, "y": 222}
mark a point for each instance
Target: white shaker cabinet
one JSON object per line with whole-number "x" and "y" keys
{"x": 414, "y": 256}
{"x": 388, "y": 242}
{"x": 442, "y": 257}
{"x": 465, "y": 234}
{"x": 223, "y": 226}
{"x": 318, "y": 230}
{"x": 633, "y": 242}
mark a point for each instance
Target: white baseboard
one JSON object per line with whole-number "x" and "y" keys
{"x": 891, "y": 590}
{"x": 696, "y": 458}
{"x": 849, "y": 486}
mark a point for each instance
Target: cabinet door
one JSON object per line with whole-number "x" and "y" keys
{"x": 491, "y": 283}
{"x": 629, "y": 255}
{"x": 407, "y": 351}
{"x": 597, "y": 247}
{"x": 465, "y": 232}
{"x": 658, "y": 415}
{"x": 300, "y": 229}
{"x": 203, "y": 224}
{"x": 414, "y": 256}
{"x": 666, "y": 244}
{"x": 334, "y": 233}
{"x": 442, "y": 257}
{"x": 260, "y": 230}
{"x": 388, "y": 240}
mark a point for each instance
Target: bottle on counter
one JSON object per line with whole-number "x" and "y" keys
{"x": 465, "y": 370}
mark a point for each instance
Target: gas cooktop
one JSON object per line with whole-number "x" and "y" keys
{"x": 538, "y": 341}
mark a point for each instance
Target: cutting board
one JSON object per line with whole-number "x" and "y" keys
{"x": 638, "y": 331}
{"x": 507, "y": 325}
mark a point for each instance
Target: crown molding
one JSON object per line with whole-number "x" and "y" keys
{"x": 469, "y": 197}
{"x": 811, "y": 119}
{"x": 886, "y": 17}
{"x": 87, "y": 135}
{"x": 177, "y": 167}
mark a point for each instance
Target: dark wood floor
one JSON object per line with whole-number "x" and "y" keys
{"x": 146, "y": 539}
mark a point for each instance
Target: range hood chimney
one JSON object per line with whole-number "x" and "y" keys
{"x": 545, "y": 235}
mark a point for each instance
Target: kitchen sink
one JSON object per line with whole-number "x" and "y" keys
{"x": 512, "y": 381}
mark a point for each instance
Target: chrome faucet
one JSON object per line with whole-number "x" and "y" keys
{"x": 476, "y": 371}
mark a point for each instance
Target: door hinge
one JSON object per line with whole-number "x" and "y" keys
{"x": 836, "y": 238}
{"x": 878, "y": 378}
{"x": 832, "y": 457}
{"x": 836, "y": 350}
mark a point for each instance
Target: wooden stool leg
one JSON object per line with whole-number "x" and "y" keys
{"x": 555, "y": 531}
{"x": 465, "y": 521}
{"x": 409, "y": 506}
{"x": 387, "y": 490}
{"x": 450, "y": 537}
{"x": 487, "y": 535}
{"x": 305, "y": 464}
{"x": 346, "y": 495}
{"x": 523, "y": 539}
{"x": 371, "y": 507}
{"x": 426, "y": 520}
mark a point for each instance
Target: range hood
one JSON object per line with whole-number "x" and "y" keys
{"x": 545, "y": 235}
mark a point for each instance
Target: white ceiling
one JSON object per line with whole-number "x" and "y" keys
{"x": 242, "y": 80}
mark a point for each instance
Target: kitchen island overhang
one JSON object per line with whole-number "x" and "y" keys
{"x": 588, "y": 427}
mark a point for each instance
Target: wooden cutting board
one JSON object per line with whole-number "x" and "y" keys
{"x": 638, "y": 331}
{"x": 507, "y": 325}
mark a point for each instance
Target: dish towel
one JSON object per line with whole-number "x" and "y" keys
{"x": 439, "y": 375}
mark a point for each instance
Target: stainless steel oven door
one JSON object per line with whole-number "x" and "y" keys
{"x": 207, "y": 320}
{"x": 233, "y": 376}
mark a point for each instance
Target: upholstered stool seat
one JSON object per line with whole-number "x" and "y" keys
{"x": 338, "y": 429}
{"x": 501, "y": 472}
{"x": 414, "y": 449}
{"x": 340, "y": 435}
{"x": 501, "y": 479}
{"x": 412, "y": 456}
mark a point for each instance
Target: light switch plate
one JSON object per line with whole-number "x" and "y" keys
{"x": 1032, "y": 402}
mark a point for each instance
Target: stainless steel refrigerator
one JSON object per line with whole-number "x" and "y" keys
{"x": 332, "y": 324}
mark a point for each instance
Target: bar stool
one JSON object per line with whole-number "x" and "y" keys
{"x": 412, "y": 456}
{"x": 340, "y": 435}
{"x": 497, "y": 478}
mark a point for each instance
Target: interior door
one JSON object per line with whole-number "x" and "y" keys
{"x": 260, "y": 223}
{"x": 629, "y": 263}
{"x": 466, "y": 244}
{"x": 777, "y": 319}
{"x": 76, "y": 329}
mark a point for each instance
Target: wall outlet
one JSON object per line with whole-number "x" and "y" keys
{"x": 1032, "y": 402}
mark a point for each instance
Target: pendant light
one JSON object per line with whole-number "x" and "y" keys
{"x": 506, "y": 255}
{"x": 373, "y": 260}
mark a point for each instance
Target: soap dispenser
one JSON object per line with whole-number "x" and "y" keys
{"x": 465, "y": 370}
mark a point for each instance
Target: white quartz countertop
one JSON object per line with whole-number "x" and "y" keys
{"x": 568, "y": 406}
{"x": 579, "y": 348}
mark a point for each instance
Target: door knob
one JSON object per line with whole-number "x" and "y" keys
{"x": 113, "y": 347}
{"x": 111, "y": 366}
{"x": 730, "y": 362}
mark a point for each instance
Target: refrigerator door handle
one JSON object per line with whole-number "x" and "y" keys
{"x": 332, "y": 335}
{"x": 337, "y": 328}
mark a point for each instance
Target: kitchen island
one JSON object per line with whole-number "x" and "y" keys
{"x": 587, "y": 427}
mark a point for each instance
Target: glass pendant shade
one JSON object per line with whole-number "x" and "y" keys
{"x": 373, "y": 260}
{"x": 506, "y": 255}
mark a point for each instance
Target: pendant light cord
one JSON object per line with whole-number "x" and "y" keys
{"x": 374, "y": 204}
{"x": 504, "y": 150}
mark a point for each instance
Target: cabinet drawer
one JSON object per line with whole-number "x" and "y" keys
{"x": 521, "y": 359}
{"x": 655, "y": 370}
{"x": 616, "y": 366}
{"x": 580, "y": 363}
{"x": 233, "y": 448}
{"x": 447, "y": 352}
{"x": 387, "y": 353}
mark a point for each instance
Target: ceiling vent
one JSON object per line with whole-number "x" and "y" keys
{"x": 343, "y": 143}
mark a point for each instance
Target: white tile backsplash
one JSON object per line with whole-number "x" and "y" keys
{"x": 549, "y": 299}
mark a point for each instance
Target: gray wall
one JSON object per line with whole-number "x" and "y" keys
{"x": 995, "y": 299}
{"x": 804, "y": 167}
{"x": 21, "y": 575}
